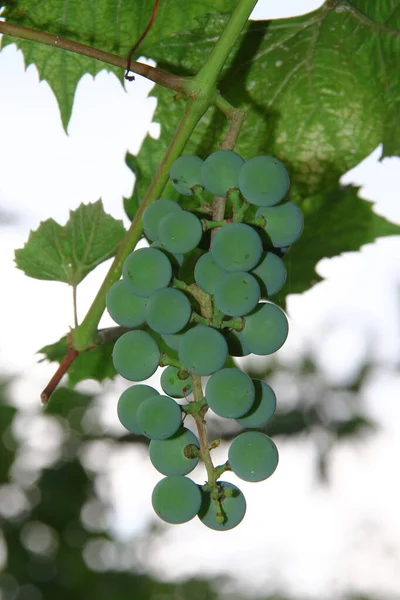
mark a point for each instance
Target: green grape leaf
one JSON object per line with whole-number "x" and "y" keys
{"x": 335, "y": 221}
{"x": 110, "y": 26}
{"x": 131, "y": 204}
{"x": 93, "y": 364}
{"x": 68, "y": 253}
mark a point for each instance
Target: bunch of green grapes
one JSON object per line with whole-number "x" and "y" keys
{"x": 191, "y": 301}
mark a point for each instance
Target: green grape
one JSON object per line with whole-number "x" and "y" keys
{"x": 202, "y": 350}
{"x": 266, "y": 329}
{"x": 128, "y": 404}
{"x": 220, "y": 172}
{"x": 271, "y": 274}
{"x": 236, "y": 345}
{"x": 168, "y": 311}
{"x": 159, "y": 417}
{"x": 253, "y": 456}
{"x": 263, "y": 408}
{"x": 236, "y": 247}
{"x": 176, "y": 499}
{"x": 147, "y": 270}
{"x": 237, "y": 293}
{"x": 168, "y": 456}
{"x": 185, "y": 173}
{"x": 284, "y": 223}
{"x": 124, "y": 306}
{"x": 175, "y": 259}
{"x": 207, "y": 273}
{"x": 136, "y": 355}
{"x": 263, "y": 180}
{"x": 230, "y": 393}
{"x": 233, "y": 506}
{"x": 172, "y": 340}
{"x": 153, "y": 215}
{"x": 173, "y": 385}
{"x": 180, "y": 232}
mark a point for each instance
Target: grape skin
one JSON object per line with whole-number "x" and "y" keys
{"x": 202, "y": 350}
{"x": 168, "y": 456}
{"x": 265, "y": 329}
{"x": 147, "y": 270}
{"x": 207, "y": 273}
{"x": 176, "y": 499}
{"x": 180, "y": 232}
{"x": 153, "y": 215}
{"x": 175, "y": 259}
{"x": 232, "y": 255}
{"x": 185, "y": 173}
{"x": 253, "y": 456}
{"x": 159, "y": 417}
{"x": 271, "y": 274}
{"x": 263, "y": 180}
{"x": 237, "y": 293}
{"x": 220, "y": 172}
{"x": 168, "y": 311}
{"x": 173, "y": 386}
{"x": 124, "y": 307}
{"x": 263, "y": 408}
{"x": 230, "y": 393}
{"x": 129, "y": 402}
{"x": 136, "y": 355}
{"x": 234, "y": 508}
{"x": 284, "y": 223}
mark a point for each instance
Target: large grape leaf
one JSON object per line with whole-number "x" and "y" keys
{"x": 113, "y": 26}
{"x": 68, "y": 253}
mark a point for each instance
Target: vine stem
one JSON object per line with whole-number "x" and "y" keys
{"x": 173, "y": 82}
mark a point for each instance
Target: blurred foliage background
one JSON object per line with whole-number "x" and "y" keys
{"x": 55, "y": 538}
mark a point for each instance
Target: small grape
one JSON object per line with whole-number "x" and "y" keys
{"x": 153, "y": 215}
{"x": 265, "y": 329}
{"x": 263, "y": 180}
{"x": 159, "y": 417}
{"x": 236, "y": 344}
{"x": 271, "y": 274}
{"x": 147, "y": 270}
{"x": 185, "y": 173}
{"x": 207, "y": 273}
{"x": 180, "y": 232}
{"x": 168, "y": 311}
{"x": 236, "y": 247}
{"x": 172, "y": 340}
{"x": 284, "y": 223}
{"x": 176, "y": 260}
{"x": 220, "y": 172}
{"x": 202, "y": 350}
{"x": 253, "y": 456}
{"x": 230, "y": 393}
{"x": 136, "y": 355}
{"x": 263, "y": 408}
{"x": 237, "y": 293}
{"x": 176, "y": 499}
{"x": 173, "y": 385}
{"x": 128, "y": 404}
{"x": 233, "y": 506}
{"x": 124, "y": 306}
{"x": 168, "y": 456}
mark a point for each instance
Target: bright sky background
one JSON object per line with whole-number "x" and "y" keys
{"x": 305, "y": 538}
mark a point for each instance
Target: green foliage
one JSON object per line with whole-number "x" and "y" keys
{"x": 69, "y": 253}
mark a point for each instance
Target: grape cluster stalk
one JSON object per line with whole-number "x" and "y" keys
{"x": 197, "y": 297}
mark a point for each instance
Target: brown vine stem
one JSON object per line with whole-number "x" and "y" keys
{"x": 173, "y": 82}
{"x": 66, "y": 362}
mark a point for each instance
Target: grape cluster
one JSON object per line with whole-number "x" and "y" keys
{"x": 198, "y": 295}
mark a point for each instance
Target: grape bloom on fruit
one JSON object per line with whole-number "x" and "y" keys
{"x": 188, "y": 305}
